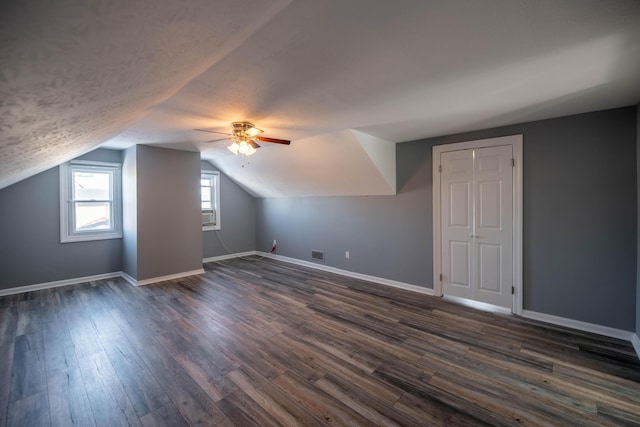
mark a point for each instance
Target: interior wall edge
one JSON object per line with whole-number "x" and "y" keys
{"x": 635, "y": 341}
{"x": 638, "y": 222}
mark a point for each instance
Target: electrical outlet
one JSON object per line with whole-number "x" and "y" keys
{"x": 346, "y": 254}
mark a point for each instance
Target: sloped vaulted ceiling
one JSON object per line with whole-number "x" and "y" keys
{"x": 344, "y": 80}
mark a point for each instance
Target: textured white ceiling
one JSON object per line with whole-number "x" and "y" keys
{"x": 76, "y": 74}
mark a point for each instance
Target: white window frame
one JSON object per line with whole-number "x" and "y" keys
{"x": 67, "y": 217}
{"x": 215, "y": 176}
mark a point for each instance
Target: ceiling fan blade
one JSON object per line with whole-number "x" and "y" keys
{"x": 212, "y": 131}
{"x": 254, "y": 131}
{"x": 274, "y": 140}
{"x": 253, "y": 144}
{"x": 214, "y": 140}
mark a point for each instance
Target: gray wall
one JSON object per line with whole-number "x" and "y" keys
{"x": 580, "y": 218}
{"x": 238, "y": 218}
{"x": 160, "y": 192}
{"x": 169, "y": 231}
{"x": 30, "y": 248}
{"x": 386, "y": 236}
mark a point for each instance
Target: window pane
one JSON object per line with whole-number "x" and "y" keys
{"x": 205, "y": 182}
{"x": 91, "y": 185}
{"x": 93, "y": 216}
{"x": 205, "y": 194}
{"x": 205, "y": 197}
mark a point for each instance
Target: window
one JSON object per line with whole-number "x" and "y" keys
{"x": 210, "y": 200}
{"x": 90, "y": 207}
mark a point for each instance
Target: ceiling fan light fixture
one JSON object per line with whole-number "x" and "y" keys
{"x": 246, "y": 148}
{"x": 243, "y": 147}
{"x": 234, "y": 147}
{"x": 243, "y": 135}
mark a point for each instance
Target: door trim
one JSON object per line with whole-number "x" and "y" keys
{"x": 516, "y": 143}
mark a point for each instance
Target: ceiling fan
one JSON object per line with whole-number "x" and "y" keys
{"x": 244, "y": 136}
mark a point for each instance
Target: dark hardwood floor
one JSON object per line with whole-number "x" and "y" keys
{"x": 258, "y": 342}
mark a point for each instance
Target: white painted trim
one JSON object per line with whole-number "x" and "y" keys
{"x": 58, "y": 283}
{"x": 477, "y": 304}
{"x": 516, "y": 142}
{"x": 518, "y": 226}
{"x": 635, "y": 341}
{"x": 125, "y": 276}
{"x": 437, "y": 228}
{"x": 128, "y": 278}
{"x": 579, "y": 325}
{"x": 144, "y": 282}
{"x": 228, "y": 256}
{"x": 67, "y": 234}
{"x": 374, "y": 279}
{"x": 216, "y": 186}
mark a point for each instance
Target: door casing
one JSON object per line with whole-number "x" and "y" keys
{"x": 516, "y": 142}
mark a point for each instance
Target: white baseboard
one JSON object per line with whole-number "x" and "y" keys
{"x": 556, "y": 320}
{"x": 144, "y": 282}
{"x": 228, "y": 256}
{"x": 577, "y": 324}
{"x": 125, "y": 276}
{"x": 635, "y": 341}
{"x": 58, "y": 283}
{"x": 374, "y": 279}
{"x": 128, "y": 278}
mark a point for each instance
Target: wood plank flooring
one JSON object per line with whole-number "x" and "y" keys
{"x": 256, "y": 342}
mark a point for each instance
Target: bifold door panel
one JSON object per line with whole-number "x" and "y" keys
{"x": 477, "y": 224}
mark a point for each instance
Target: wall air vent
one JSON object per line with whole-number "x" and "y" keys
{"x": 317, "y": 256}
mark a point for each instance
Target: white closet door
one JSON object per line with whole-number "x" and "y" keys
{"x": 457, "y": 223}
{"x": 493, "y": 241}
{"x": 477, "y": 224}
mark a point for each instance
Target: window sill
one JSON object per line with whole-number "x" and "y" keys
{"x": 210, "y": 227}
{"x": 90, "y": 237}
